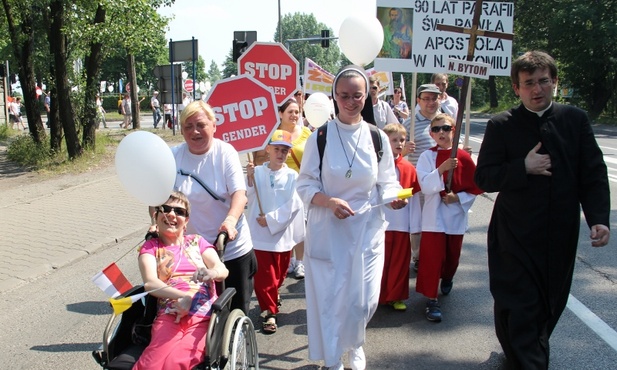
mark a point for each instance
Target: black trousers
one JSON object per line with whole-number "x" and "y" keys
{"x": 523, "y": 320}
{"x": 241, "y": 272}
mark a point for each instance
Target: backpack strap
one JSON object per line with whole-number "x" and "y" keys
{"x": 321, "y": 142}
{"x": 376, "y": 141}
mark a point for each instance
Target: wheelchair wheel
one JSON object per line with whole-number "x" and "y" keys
{"x": 240, "y": 342}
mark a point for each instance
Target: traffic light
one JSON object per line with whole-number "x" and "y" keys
{"x": 242, "y": 40}
{"x": 238, "y": 48}
{"x": 2, "y": 70}
{"x": 325, "y": 38}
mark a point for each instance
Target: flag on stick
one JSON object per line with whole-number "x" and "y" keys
{"x": 112, "y": 281}
{"x": 390, "y": 196}
{"x": 122, "y": 304}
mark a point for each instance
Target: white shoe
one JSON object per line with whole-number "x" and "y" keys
{"x": 292, "y": 266}
{"x": 299, "y": 270}
{"x": 357, "y": 360}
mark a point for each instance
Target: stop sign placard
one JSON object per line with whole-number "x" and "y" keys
{"x": 274, "y": 66}
{"x": 246, "y": 112}
{"x": 188, "y": 85}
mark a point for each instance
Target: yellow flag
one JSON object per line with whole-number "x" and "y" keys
{"x": 122, "y": 304}
{"x": 392, "y": 195}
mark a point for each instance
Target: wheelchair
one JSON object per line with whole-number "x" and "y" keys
{"x": 230, "y": 345}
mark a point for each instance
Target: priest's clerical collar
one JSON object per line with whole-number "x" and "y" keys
{"x": 540, "y": 113}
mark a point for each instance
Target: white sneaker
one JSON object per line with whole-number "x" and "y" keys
{"x": 299, "y": 270}
{"x": 357, "y": 360}
{"x": 292, "y": 266}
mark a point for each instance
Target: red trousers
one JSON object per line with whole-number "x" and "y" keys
{"x": 271, "y": 273}
{"x": 395, "y": 278}
{"x": 439, "y": 257}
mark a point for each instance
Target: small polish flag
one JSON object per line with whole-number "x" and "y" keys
{"x": 112, "y": 281}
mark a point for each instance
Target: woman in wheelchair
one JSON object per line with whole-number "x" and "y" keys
{"x": 188, "y": 265}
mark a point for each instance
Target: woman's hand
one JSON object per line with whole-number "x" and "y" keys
{"x": 398, "y": 203}
{"x": 340, "y": 208}
{"x": 229, "y": 226}
{"x": 204, "y": 275}
{"x": 181, "y": 307}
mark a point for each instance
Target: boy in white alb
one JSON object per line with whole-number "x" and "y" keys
{"x": 276, "y": 219}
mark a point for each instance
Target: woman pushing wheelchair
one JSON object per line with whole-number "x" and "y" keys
{"x": 189, "y": 266}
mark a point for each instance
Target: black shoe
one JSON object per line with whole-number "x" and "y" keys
{"x": 433, "y": 311}
{"x": 446, "y": 286}
{"x": 416, "y": 265}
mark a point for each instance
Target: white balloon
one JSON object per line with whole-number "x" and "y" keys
{"x": 146, "y": 167}
{"x": 317, "y": 109}
{"x": 361, "y": 39}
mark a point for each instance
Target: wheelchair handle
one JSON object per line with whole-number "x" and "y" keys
{"x": 221, "y": 242}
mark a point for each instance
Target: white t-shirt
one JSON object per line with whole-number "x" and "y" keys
{"x": 383, "y": 114}
{"x": 220, "y": 169}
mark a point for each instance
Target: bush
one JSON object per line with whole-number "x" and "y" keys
{"x": 26, "y": 152}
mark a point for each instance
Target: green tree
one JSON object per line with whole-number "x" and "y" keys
{"x": 200, "y": 69}
{"x": 582, "y": 36}
{"x": 297, "y": 26}
{"x": 214, "y": 73}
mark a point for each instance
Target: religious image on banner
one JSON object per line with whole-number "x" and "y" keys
{"x": 397, "y": 32}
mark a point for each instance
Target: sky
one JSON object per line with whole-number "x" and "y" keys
{"x": 213, "y": 22}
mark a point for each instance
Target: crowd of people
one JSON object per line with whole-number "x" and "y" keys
{"x": 319, "y": 196}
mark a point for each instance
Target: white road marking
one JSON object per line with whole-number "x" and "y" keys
{"x": 593, "y": 321}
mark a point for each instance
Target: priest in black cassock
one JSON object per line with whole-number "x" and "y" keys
{"x": 543, "y": 159}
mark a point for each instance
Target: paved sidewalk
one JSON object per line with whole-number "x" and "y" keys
{"x": 51, "y": 223}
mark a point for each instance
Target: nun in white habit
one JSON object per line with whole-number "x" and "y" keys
{"x": 344, "y": 241}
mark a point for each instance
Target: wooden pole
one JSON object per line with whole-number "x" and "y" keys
{"x": 252, "y": 179}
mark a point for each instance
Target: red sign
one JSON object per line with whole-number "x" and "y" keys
{"x": 274, "y": 66}
{"x": 188, "y": 85}
{"x": 246, "y": 112}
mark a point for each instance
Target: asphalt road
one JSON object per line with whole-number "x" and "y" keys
{"x": 55, "y": 321}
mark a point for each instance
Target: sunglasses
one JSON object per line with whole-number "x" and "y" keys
{"x": 179, "y": 211}
{"x": 444, "y": 128}
{"x": 374, "y": 87}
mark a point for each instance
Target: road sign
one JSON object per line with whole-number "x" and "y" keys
{"x": 459, "y": 82}
{"x": 246, "y": 112}
{"x": 274, "y": 66}
{"x": 188, "y": 85}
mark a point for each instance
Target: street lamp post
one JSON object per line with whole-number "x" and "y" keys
{"x": 280, "y": 27}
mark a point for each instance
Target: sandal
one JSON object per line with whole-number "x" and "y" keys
{"x": 269, "y": 324}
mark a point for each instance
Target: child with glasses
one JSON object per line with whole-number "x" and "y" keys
{"x": 275, "y": 216}
{"x": 445, "y": 212}
{"x": 186, "y": 266}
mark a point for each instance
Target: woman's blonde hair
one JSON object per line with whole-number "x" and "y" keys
{"x": 194, "y": 108}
